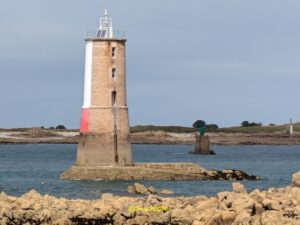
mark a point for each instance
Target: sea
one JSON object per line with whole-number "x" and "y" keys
{"x": 39, "y": 166}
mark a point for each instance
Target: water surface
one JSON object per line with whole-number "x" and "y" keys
{"x": 26, "y": 167}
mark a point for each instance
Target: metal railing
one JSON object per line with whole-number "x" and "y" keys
{"x": 116, "y": 34}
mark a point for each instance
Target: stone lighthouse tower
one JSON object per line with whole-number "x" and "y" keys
{"x": 104, "y": 151}
{"x": 104, "y": 128}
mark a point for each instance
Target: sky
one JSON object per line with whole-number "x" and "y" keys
{"x": 222, "y": 61}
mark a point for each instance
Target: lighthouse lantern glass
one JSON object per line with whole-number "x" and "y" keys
{"x": 105, "y": 30}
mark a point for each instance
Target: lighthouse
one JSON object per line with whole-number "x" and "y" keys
{"x": 104, "y": 150}
{"x": 104, "y": 126}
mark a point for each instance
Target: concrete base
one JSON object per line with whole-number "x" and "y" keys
{"x": 202, "y": 145}
{"x": 103, "y": 149}
{"x": 142, "y": 171}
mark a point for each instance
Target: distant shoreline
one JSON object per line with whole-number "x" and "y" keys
{"x": 46, "y": 136}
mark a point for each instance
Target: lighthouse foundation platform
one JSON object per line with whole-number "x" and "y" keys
{"x": 153, "y": 171}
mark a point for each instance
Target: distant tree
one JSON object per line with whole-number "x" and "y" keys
{"x": 252, "y": 124}
{"x": 60, "y": 127}
{"x": 51, "y": 128}
{"x": 211, "y": 127}
{"x": 199, "y": 123}
{"x": 272, "y": 124}
{"x": 245, "y": 123}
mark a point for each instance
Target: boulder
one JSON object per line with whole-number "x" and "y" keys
{"x": 131, "y": 189}
{"x": 166, "y": 192}
{"x": 239, "y": 188}
{"x": 257, "y": 195}
{"x": 208, "y": 216}
{"x": 62, "y": 221}
{"x": 216, "y": 218}
{"x": 119, "y": 219}
{"x": 271, "y": 217}
{"x": 140, "y": 189}
{"x": 242, "y": 218}
{"x": 296, "y": 180}
{"x": 228, "y": 216}
{"x": 152, "y": 190}
{"x": 137, "y": 220}
{"x": 270, "y": 204}
{"x": 107, "y": 196}
{"x": 184, "y": 215}
{"x": 207, "y": 204}
{"x": 244, "y": 204}
{"x": 158, "y": 218}
{"x": 197, "y": 222}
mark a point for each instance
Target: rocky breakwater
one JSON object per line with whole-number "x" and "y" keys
{"x": 274, "y": 206}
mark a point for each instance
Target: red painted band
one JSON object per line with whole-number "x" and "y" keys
{"x": 84, "y": 124}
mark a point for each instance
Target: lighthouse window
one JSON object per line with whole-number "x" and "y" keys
{"x": 101, "y": 33}
{"x": 114, "y": 98}
{"x": 113, "y": 72}
{"x": 113, "y": 52}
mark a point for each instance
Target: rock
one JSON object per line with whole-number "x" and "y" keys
{"x": 244, "y": 204}
{"x": 45, "y": 214}
{"x": 153, "y": 200}
{"x": 257, "y": 196}
{"x": 159, "y": 218}
{"x": 7, "y": 214}
{"x": 166, "y": 192}
{"x": 140, "y": 188}
{"x": 259, "y": 209}
{"x": 295, "y": 194}
{"x": 107, "y": 196}
{"x": 275, "y": 206}
{"x": 131, "y": 189}
{"x": 33, "y": 195}
{"x": 296, "y": 180}
{"x": 271, "y": 204}
{"x": 4, "y": 221}
{"x": 152, "y": 190}
{"x": 238, "y": 188}
{"x": 137, "y": 220}
{"x": 215, "y": 219}
{"x": 230, "y": 198}
{"x": 207, "y": 204}
{"x": 63, "y": 221}
{"x": 3, "y": 196}
{"x": 228, "y": 217}
{"x": 185, "y": 215}
{"x": 207, "y": 215}
{"x": 242, "y": 218}
{"x": 126, "y": 215}
{"x": 271, "y": 217}
{"x": 119, "y": 219}
{"x": 197, "y": 222}
{"x": 27, "y": 205}
{"x": 222, "y": 195}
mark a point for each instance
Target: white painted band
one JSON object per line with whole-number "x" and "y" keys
{"x": 88, "y": 75}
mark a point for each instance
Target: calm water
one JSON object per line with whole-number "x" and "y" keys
{"x": 26, "y": 167}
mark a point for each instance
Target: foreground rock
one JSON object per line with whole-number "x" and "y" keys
{"x": 138, "y": 188}
{"x": 296, "y": 180}
{"x": 274, "y": 206}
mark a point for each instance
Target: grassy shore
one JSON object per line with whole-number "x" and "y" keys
{"x": 237, "y": 129}
{"x": 184, "y": 129}
{"x": 258, "y": 135}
